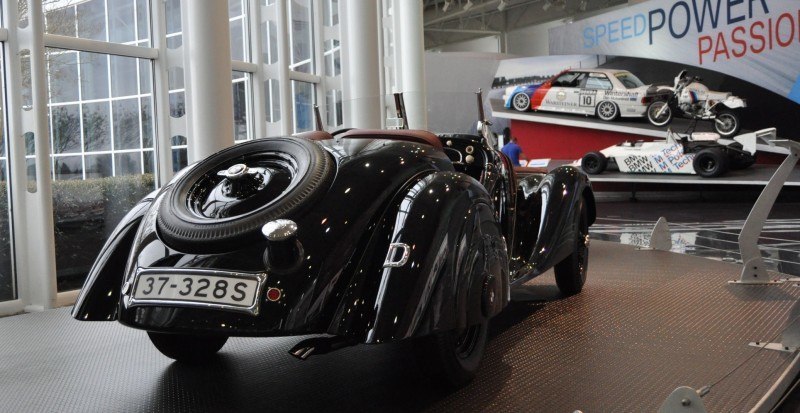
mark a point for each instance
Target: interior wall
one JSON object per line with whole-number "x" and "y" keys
{"x": 532, "y": 40}
{"x": 453, "y": 79}
{"x": 489, "y": 44}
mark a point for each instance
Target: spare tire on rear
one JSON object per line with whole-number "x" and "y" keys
{"x": 200, "y": 213}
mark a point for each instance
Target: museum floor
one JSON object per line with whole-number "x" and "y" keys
{"x": 702, "y": 227}
{"x": 646, "y": 323}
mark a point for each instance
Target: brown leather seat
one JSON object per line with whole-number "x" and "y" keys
{"x": 530, "y": 170}
{"x": 315, "y": 135}
{"x": 408, "y": 135}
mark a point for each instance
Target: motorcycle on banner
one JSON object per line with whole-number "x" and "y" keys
{"x": 694, "y": 100}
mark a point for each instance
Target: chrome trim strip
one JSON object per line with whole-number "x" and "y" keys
{"x": 253, "y": 309}
{"x": 388, "y": 263}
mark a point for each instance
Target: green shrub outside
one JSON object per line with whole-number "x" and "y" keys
{"x": 85, "y": 212}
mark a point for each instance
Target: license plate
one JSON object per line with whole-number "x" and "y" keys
{"x": 202, "y": 288}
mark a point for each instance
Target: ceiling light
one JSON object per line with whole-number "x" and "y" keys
{"x": 583, "y": 5}
{"x": 546, "y": 5}
{"x": 447, "y": 4}
{"x": 502, "y": 6}
{"x": 468, "y": 5}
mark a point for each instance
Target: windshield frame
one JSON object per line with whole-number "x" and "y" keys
{"x": 624, "y": 77}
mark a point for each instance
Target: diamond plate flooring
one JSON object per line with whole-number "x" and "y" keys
{"x": 646, "y": 323}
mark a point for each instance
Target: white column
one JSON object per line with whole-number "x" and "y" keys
{"x": 411, "y": 35}
{"x": 209, "y": 52}
{"x": 34, "y": 239}
{"x": 257, "y": 79}
{"x": 360, "y": 71}
{"x": 284, "y": 60}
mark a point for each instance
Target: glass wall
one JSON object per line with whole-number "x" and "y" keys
{"x": 117, "y": 21}
{"x": 101, "y": 110}
{"x": 102, "y": 151}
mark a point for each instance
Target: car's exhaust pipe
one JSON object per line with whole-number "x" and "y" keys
{"x": 320, "y": 345}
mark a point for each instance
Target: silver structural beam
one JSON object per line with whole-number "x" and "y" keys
{"x": 361, "y": 79}
{"x": 258, "y": 120}
{"x": 410, "y": 35}
{"x": 754, "y": 271}
{"x": 163, "y": 147}
{"x": 284, "y": 58}
{"x": 469, "y": 31}
{"x": 208, "y": 52}
{"x": 96, "y": 46}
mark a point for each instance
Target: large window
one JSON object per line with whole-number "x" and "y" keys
{"x": 102, "y": 146}
{"x": 301, "y": 35}
{"x": 303, "y": 93}
{"x": 117, "y": 21}
{"x": 103, "y": 130}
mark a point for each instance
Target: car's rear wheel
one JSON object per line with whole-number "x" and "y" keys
{"x": 571, "y": 271}
{"x": 226, "y": 199}
{"x": 594, "y": 163}
{"x": 659, "y": 113}
{"x": 521, "y": 102}
{"x": 187, "y": 348}
{"x": 452, "y": 357}
{"x": 710, "y": 163}
{"x": 607, "y": 110}
{"x": 727, "y": 123}
{"x": 742, "y": 161}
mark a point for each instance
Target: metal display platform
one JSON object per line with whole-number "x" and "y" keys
{"x": 634, "y": 126}
{"x": 757, "y": 175}
{"x": 646, "y": 323}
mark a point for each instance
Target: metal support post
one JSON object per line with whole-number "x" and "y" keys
{"x": 790, "y": 336}
{"x": 754, "y": 271}
{"x": 684, "y": 400}
{"x": 361, "y": 76}
{"x": 163, "y": 146}
{"x": 209, "y": 53}
{"x": 411, "y": 32}
{"x": 284, "y": 59}
{"x": 660, "y": 237}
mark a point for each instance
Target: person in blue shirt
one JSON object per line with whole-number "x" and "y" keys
{"x": 513, "y": 151}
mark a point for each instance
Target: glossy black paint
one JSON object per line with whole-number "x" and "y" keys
{"x": 98, "y": 298}
{"x": 457, "y": 216}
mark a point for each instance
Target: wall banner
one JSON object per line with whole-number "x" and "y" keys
{"x": 754, "y": 40}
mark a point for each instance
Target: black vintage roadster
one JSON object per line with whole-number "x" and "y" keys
{"x": 363, "y": 236}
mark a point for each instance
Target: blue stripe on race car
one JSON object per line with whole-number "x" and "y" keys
{"x": 529, "y": 89}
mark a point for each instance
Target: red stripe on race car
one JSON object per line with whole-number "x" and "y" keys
{"x": 538, "y": 95}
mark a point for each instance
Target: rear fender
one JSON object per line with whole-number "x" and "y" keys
{"x": 99, "y": 297}
{"x": 455, "y": 252}
{"x": 559, "y": 194}
{"x": 734, "y": 102}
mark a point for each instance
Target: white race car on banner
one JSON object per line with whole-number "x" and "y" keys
{"x": 700, "y": 153}
{"x": 607, "y": 93}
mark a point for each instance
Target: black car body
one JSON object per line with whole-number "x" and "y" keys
{"x": 401, "y": 234}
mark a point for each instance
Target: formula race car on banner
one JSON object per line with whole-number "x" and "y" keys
{"x": 607, "y": 93}
{"x": 700, "y": 154}
{"x": 362, "y": 236}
